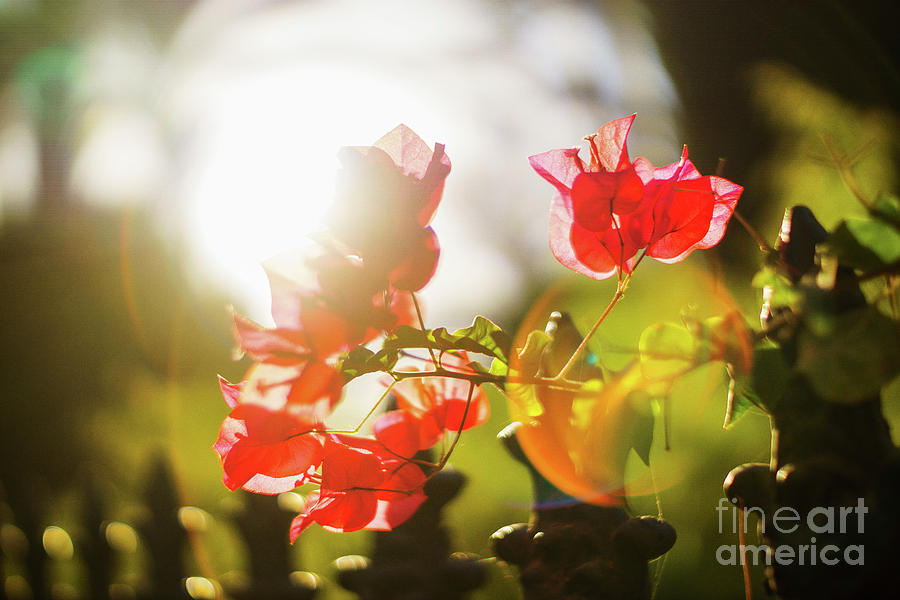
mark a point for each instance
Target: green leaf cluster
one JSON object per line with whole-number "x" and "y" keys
{"x": 482, "y": 337}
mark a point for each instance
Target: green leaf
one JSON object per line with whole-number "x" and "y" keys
{"x": 768, "y": 376}
{"x": 499, "y": 368}
{"x": 530, "y": 357}
{"x": 641, "y": 424}
{"x": 490, "y": 338}
{"x": 887, "y": 208}
{"x": 852, "y": 358}
{"x": 864, "y": 244}
{"x": 763, "y": 387}
{"x": 739, "y": 402}
{"x": 667, "y": 351}
{"x": 482, "y": 337}
{"x": 524, "y": 396}
{"x": 361, "y": 361}
{"x": 779, "y": 290}
{"x": 527, "y": 364}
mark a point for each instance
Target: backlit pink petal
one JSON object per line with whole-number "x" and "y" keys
{"x": 559, "y": 167}
{"x": 611, "y": 142}
{"x": 401, "y": 497}
{"x": 309, "y": 391}
{"x": 286, "y": 298}
{"x": 266, "y": 451}
{"x": 407, "y": 150}
{"x": 404, "y": 434}
{"x": 318, "y": 381}
{"x": 417, "y": 160}
{"x": 230, "y": 391}
{"x": 727, "y": 196}
{"x": 683, "y": 218}
{"x": 303, "y": 520}
{"x": 347, "y": 467}
{"x": 590, "y": 258}
{"x": 277, "y": 346}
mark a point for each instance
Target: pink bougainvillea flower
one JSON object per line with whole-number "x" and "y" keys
{"x": 266, "y": 451}
{"x": 592, "y": 216}
{"x": 604, "y": 214}
{"x": 428, "y": 406}
{"x": 362, "y": 488}
{"x": 690, "y": 211}
{"x": 388, "y": 193}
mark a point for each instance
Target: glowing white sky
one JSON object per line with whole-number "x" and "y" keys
{"x": 266, "y": 95}
{"x": 231, "y": 132}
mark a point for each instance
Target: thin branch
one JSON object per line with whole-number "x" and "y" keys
{"x": 620, "y": 291}
{"x": 415, "y": 300}
{"x": 757, "y": 237}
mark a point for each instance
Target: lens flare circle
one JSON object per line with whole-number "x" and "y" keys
{"x": 581, "y": 440}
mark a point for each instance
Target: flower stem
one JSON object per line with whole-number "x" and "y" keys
{"x": 415, "y": 300}
{"x": 620, "y": 291}
{"x": 757, "y": 237}
{"x": 462, "y": 425}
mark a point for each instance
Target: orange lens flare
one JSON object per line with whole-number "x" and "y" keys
{"x": 581, "y": 439}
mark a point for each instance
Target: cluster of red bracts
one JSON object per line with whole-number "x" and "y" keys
{"x": 377, "y": 250}
{"x": 606, "y": 212}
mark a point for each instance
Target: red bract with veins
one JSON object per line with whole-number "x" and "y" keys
{"x": 388, "y": 193}
{"x": 266, "y": 451}
{"x": 429, "y": 406}
{"x": 690, "y": 211}
{"x": 603, "y": 214}
{"x": 363, "y": 487}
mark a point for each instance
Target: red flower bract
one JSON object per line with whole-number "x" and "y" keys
{"x": 265, "y": 451}
{"x": 429, "y": 406}
{"x": 604, "y": 214}
{"x": 363, "y": 487}
{"x": 388, "y": 193}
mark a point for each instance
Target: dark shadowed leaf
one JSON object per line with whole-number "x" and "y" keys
{"x": 887, "y": 207}
{"x": 864, "y": 243}
{"x": 851, "y": 356}
{"x": 361, "y": 360}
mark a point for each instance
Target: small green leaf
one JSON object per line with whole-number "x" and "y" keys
{"x": 482, "y": 337}
{"x": 361, "y": 361}
{"x": 851, "y": 360}
{"x": 491, "y": 339}
{"x": 525, "y": 398}
{"x": 529, "y": 357}
{"x": 739, "y": 402}
{"x": 641, "y": 424}
{"x": 763, "y": 387}
{"x": 779, "y": 291}
{"x": 864, "y": 244}
{"x": 887, "y": 207}
{"x": 499, "y": 368}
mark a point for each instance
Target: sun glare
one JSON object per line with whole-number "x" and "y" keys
{"x": 268, "y": 171}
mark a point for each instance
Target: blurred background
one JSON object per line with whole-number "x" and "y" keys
{"x": 153, "y": 153}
